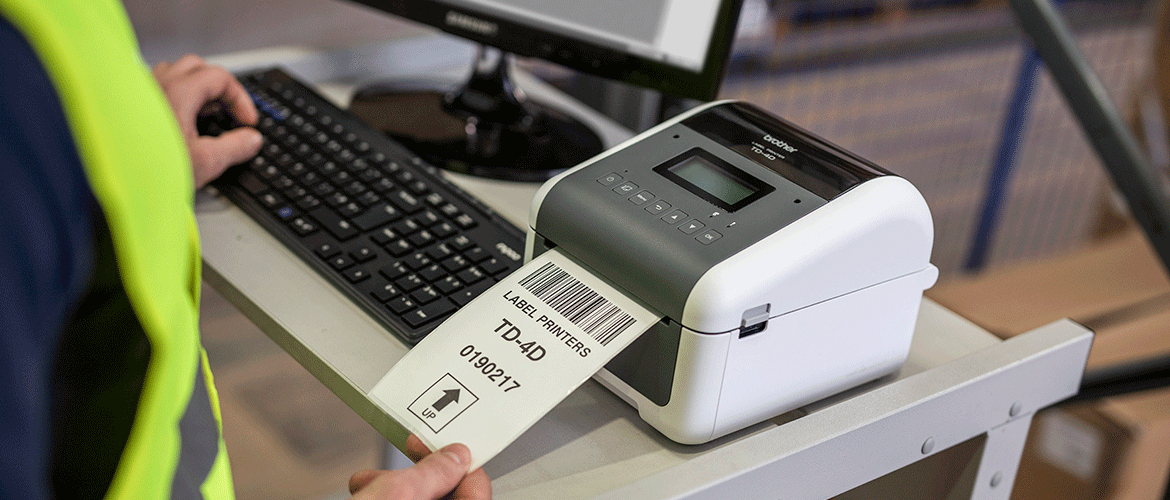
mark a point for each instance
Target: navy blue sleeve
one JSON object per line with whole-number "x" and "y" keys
{"x": 47, "y": 215}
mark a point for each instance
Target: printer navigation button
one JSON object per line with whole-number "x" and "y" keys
{"x": 626, "y": 188}
{"x": 689, "y": 227}
{"x": 708, "y": 237}
{"x": 657, "y": 207}
{"x": 609, "y": 179}
{"x": 674, "y": 217}
{"x": 642, "y": 197}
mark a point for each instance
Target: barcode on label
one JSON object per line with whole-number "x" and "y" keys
{"x": 578, "y": 303}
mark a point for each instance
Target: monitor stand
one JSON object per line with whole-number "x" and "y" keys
{"x": 487, "y": 127}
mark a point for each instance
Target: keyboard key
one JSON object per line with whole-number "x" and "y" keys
{"x": 440, "y": 251}
{"x": 456, "y": 263}
{"x": 465, "y": 221}
{"x": 309, "y": 202}
{"x": 270, "y": 199}
{"x": 327, "y": 250}
{"x": 303, "y": 226}
{"x": 340, "y": 262}
{"x": 399, "y": 247}
{"x": 358, "y": 165}
{"x": 421, "y": 238}
{"x": 310, "y": 178}
{"x": 252, "y": 183}
{"x": 369, "y": 198}
{"x": 406, "y": 201}
{"x": 418, "y": 187}
{"x": 407, "y": 226}
{"x": 476, "y": 254}
{"x": 494, "y": 266}
{"x": 417, "y": 260}
{"x": 433, "y": 272}
{"x": 425, "y": 295}
{"x": 298, "y": 169}
{"x": 409, "y": 282}
{"x": 468, "y": 294}
{"x": 295, "y": 192}
{"x": 350, "y": 210}
{"x": 355, "y": 188}
{"x": 385, "y": 290}
{"x": 376, "y": 216}
{"x": 286, "y": 212}
{"x": 471, "y": 275}
{"x": 429, "y": 313}
{"x": 356, "y": 275}
{"x": 265, "y": 169}
{"x": 384, "y": 185}
{"x": 370, "y": 175}
{"x": 461, "y": 243}
{"x": 401, "y": 305}
{"x": 448, "y": 285}
{"x": 363, "y": 254}
{"x": 383, "y": 236}
{"x": 394, "y": 270}
{"x": 340, "y": 228}
{"x": 323, "y": 189}
{"x": 444, "y": 230}
{"x": 341, "y": 178}
{"x": 316, "y": 160}
{"x": 428, "y": 218}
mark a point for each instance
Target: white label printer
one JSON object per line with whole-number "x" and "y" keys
{"x": 786, "y": 268}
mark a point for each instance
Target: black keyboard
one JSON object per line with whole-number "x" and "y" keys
{"x": 375, "y": 219}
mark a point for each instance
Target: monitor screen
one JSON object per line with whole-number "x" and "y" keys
{"x": 676, "y": 46}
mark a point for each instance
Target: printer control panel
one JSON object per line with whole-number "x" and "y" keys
{"x": 658, "y": 207}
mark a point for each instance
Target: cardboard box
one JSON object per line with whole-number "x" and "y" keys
{"x": 1116, "y": 448}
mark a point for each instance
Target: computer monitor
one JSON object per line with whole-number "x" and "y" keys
{"x": 487, "y": 127}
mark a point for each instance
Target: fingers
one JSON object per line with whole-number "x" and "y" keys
{"x": 415, "y": 449}
{"x": 207, "y": 84}
{"x": 210, "y": 156}
{"x": 190, "y": 84}
{"x": 360, "y": 479}
{"x": 476, "y": 486}
{"x": 182, "y": 65}
{"x": 432, "y": 477}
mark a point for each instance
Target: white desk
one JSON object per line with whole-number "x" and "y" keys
{"x": 960, "y": 383}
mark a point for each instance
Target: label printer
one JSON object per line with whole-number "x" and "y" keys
{"x": 786, "y": 268}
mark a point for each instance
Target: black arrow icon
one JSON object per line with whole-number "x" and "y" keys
{"x": 449, "y": 396}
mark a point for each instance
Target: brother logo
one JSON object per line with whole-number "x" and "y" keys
{"x": 779, "y": 143}
{"x": 474, "y": 25}
{"x": 507, "y": 251}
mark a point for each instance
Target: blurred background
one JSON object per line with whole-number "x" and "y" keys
{"x": 923, "y": 88}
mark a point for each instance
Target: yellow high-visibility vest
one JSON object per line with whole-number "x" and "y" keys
{"x": 137, "y": 165}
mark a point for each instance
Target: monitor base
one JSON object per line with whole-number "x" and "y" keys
{"x": 485, "y": 128}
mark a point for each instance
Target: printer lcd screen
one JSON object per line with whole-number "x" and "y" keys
{"x": 707, "y": 177}
{"x": 713, "y": 179}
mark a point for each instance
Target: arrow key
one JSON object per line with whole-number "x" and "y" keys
{"x": 429, "y": 313}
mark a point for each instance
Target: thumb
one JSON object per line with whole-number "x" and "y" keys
{"x": 210, "y": 156}
{"x": 432, "y": 477}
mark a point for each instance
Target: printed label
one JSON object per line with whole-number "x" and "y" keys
{"x": 504, "y": 360}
